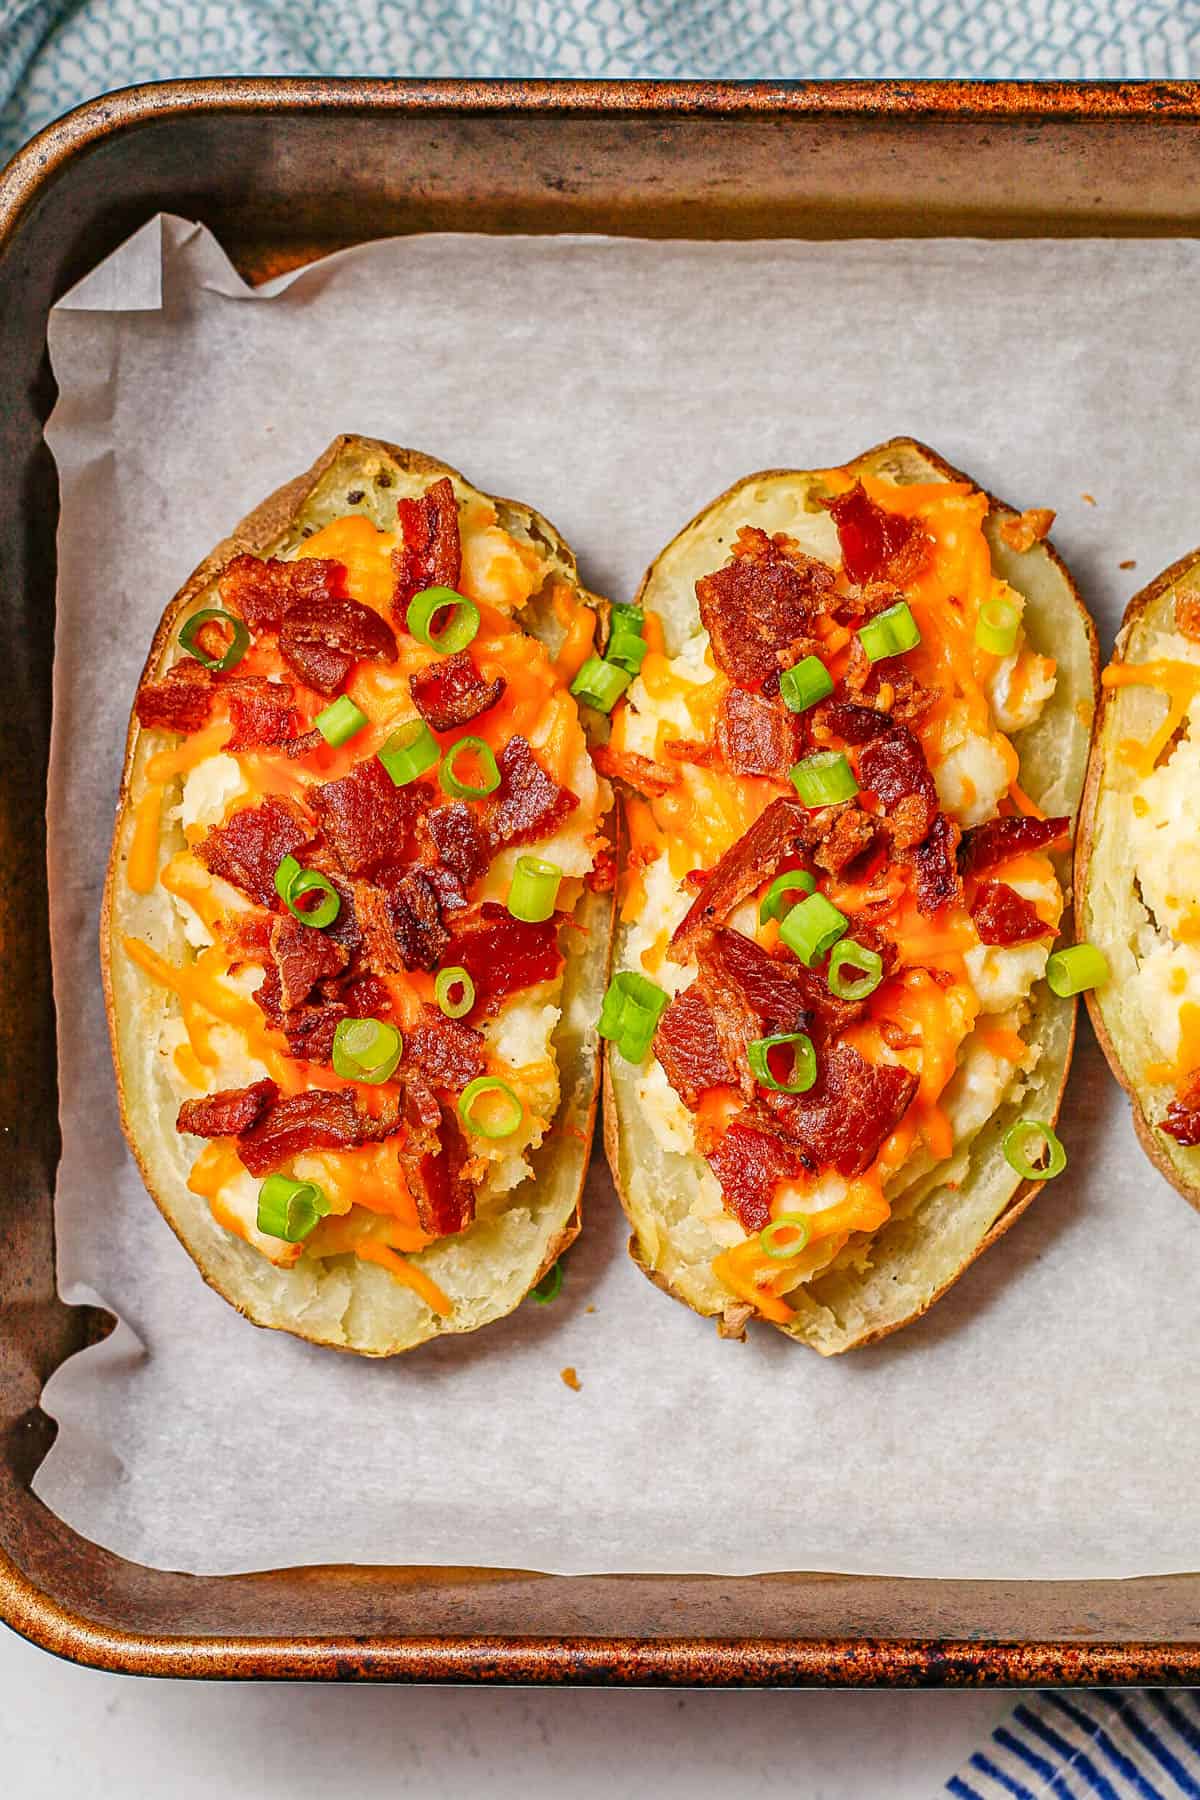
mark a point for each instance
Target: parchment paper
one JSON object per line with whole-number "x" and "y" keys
{"x": 1038, "y": 1422}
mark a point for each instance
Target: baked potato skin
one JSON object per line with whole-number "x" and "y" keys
{"x": 381, "y": 1317}
{"x": 1151, "y": 610}
{"x": 845, "y": 1319}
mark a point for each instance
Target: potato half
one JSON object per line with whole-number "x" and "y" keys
{"x": 943, "y": 1215}
{"x": 488, "y": 1269}
{"x": 1111, "y": 911}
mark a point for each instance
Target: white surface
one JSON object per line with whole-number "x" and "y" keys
{"x": 618, "y": 386}
{"x": 199, "y": 1741}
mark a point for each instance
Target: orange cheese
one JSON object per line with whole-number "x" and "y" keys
{"x": 371, "y": 1250}
{"x": 1179, "y": 681}
{"x": 188, "y": 753}
{"x": 579, "y": 623}
{"x": 142, "y": 866}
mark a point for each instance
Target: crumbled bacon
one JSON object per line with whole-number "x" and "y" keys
{"x": 246, "y": 936}
{"x": 248, "y": 850}
{"x": 303, "y": 957}
{"x": 366, "y": 818}
{"x": 261, "y": 589}
{"x": 843, "y": 834}
{"x": 229, "y": 1112}
{"x": 781, "y": 831}
{"x": 502, "y": 955}
{"x": 261, "y": 713}
{"x": 364, "y": 997}
{"x": 783, "y": 994}
{"x": 852, "y": 723}
{"x": 935, "y": 869}
{"x": 452, "y": 691}
{"x": 748, "y": 1162}
{"x": 687, "y": 1046}
{"x": 889, "y": 685}
{"x": 323, "y": 636}
{"x": 690, "y": 750}
{"x": 1182, "y": 1118}
{"x": 893, "y": 768}
{"x": 1187, "y": 617}
{"x": 431, "y": 555}
{"x": 1002, "y": 916}
{"x": 985, "y": 846}
{"x": 1021, "y": 531}
{"x": 181, "y": 701}
{"x": 760, "y": 603}
{"x": 848, "y": 1112}
{"x": 432, "y": 1156}
{"x": 601, "y": 878}
{"x": 308, "y": 1028}
{"x": 449, "y": 1050}
{"x": 459, "y": 841}
{"x": 314, "y": 1119}
{"x": 638, "y": 772}
{"x": 529, "y": 804}
{"x": 755, "y": 734}
{"x": 401, "y": 921}
{"x": 876, "y": 544}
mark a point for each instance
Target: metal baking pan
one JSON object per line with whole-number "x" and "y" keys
{"x": 283, "y": 171}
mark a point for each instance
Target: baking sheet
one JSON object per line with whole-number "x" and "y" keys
{"x": 1036, "y": 1423}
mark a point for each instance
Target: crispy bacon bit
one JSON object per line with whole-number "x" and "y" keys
{"x": 248, "y": 850}
{"x": 893, "y": 768}
{"x": 783, "y": 994}
{"x": 782, "y": 830}
{"x": 986, "y": 846}
{"x": 261, "y": 589}
{"x": 303, "y": 957}
{"x": 934, "y": 867}
{"x": 417, "y": 935}
{"x": 1002, "y": 916}
{"x": 246, "y": 937}
{"x": 601, "y": 878}
{"x": 1026, "y": 529}
{"x": 452, "y": 691}
{"x": 1187, "y": 618}
{"x": 322, "y": 637}
{"x": 528, "y": 804}
{"x": 261, "y": 713}
{"x": 638, "y": 772}
{"x": 877, "y": 545}
{"x": 502, "y": 955}
{"x": 449, "y": 1050}
{"x": 760, "y": 603}
{"x": 366, "y": 818}
{"x": 845, "y": 833}
{"x": 308, "y": 1029}
{"x": 848, "y": 1112}
{"x": 853, "y": 724}
{"x": 228, "y": 1113}
{"x": 1182, "y": 1118}
{"x": 314, "y": 1119}
{"x": 688, "y": 750}
{"x": 432, "y": 1155}
{"x": 431, "y": 555}
{"x": 459, "y": 841}
{"x": 687, "y": 1046}
{"x": 304, "y": 745}
{"x": 364, "y": 997}
{"x": 755, "y": 734}
{"x": 889, "y": 685}
{"x": 181, "y": 701}
{"x": 748, "y": 1162}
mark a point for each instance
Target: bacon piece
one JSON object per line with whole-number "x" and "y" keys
{"x": 459, "y": 840}
{"x": 452, "y": 691}
{"x": 431, "y": 555}
{"x": 1182, "y": 1117}
{"x": 1026, "y": 529}
{"x": 528, "y": 804}
{"x": 748, "y": 1162}
{"x": 449, "y": 1050}
{"x": 364, "y": 997}
{"x": 689, "y": 750}
{"x": 315, "y": 1119}
{"x": 261, "y": 589}
{"x": 638, "y": 772}
{"x": 848, "y": 1112}
{"x": 401, "y": 921}
{"x": 322, "y": 637}
{"x": 181, "y": 701}
{"x": 783, "y": 993}
{"x": 760, "y": 603}
{"x": 1002, "y": 916}
{"x": 303, "y": 956}
{"x": 876, "y": 544}
{"x": 853, "y": 724}
{"x": 246, "y": 937}
{"x": 934, "y": 867}
{"x": 893, "y": 768}
{"x": 782, "y": 830}
{"x": 308, "y": 1029}
{"x": 366, "y": 819}
{"x": 844, "y": 833}
{"x": 889, "y": 683}
{"x": 601, "y": 878}
{"x": 432, "y": 1155}
{"x": 250, "y": 847}
{"x": 756, "y": 735}
{"x": 687, "y": 1046}
{"x": 502, "y": 955}
{"x": 229, "y": 1112}
{"x": 985, "y": 846}
{"x": 1187, "y": 617}
{"x": 261, "y": 713}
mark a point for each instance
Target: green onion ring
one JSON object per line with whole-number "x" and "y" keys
{"x": 459, "y": 628}
{"x": 804, "y": 1061}
{"x": 770, "y": 1245}
{"x": 208, "y": 615}
{"x": 477, "y": 1090}
{"x": 408, "y": 752}
{"x": 533, "y": 894}
{"x": 848, "y": 953}
{"x": 366, "y": 1050}
{"x": 290, "y": 1209}
{"x": 291, "y": 884}
{"x": 775, "y": 902}
{"x": 549, "y": 1287}
{"x": 447, "y": 980}
{"x": 454, "y": 785}
{"x": 1026, "y": 1132}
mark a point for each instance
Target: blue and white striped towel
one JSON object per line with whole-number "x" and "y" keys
{"x": 1098, "y": 1744}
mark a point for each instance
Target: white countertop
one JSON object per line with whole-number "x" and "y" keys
{"x": 207, "y": 1739}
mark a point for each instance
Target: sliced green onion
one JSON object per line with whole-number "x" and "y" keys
{"x": 285, "y": 874}
{"x": 803, "y": 686}
{"x": 208, "y": 615}
{"x": 292, "y": 883}
{"x": 849, "y": 954}
{"x": 549, "y": 1287}
{"x": 997, "y": 626}
{"x": 489, "y": 775}
{"x": 366, "y": 1050}
{"x": 290, "y": 1209}
{"x": 1027, "y": 1133}
{"x": 798, "y": 1229}
{"x": 628, "y": 618}
{"x": 409, "y": 752}
{"x": 459, "y": 628}
{"x": 443, "y": 991}
{"x": 600, "y": 684}
{"x": 804, "y": 1062}
{"x": 812, "y": 928}
{"x": 1074, "y": 970}
{"x": 890, "y": 633}
{"x": 824, "y": 779}
{"x": 627, "y": 650}
{"x": 775, "y": 902}
{"x": 500, "y": 1125}
{"x": 339, "y": 722}
{"x": 629, "y": 1016}
{"x": 534, "y": 889}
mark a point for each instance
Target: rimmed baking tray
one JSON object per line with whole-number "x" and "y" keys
{"x": 283, "y": 171}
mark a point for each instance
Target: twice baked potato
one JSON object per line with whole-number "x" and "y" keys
{"x": 355, "y": 932}
{"x": 1137, "y": 871}
{"x": 850, "y": 759}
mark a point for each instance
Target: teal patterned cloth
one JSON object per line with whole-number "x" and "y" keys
{"x": 55, "y": 53}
